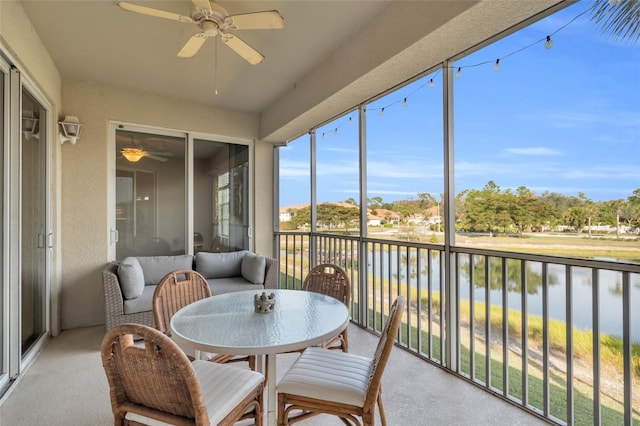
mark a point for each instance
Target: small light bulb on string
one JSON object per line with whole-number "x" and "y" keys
{"x": 404, "y": 102}
{"x": 459, "y": 72}
{"x": 322, "y": 135}
{"x": 496, "y": 66}
{"x": 350, "y": 120}
{"x": 431, "y": 83}
{"x": 335, "y": 131}
{"x": 549, "y": 43}
{"x": 382, "y": 111}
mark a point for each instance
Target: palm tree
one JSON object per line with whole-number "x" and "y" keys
{"x": 619, "y": 18}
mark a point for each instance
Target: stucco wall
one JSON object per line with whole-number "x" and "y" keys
{"x": 86, "y": 183}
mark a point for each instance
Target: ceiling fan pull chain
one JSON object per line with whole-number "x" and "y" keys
{"x": 215, "y": 67}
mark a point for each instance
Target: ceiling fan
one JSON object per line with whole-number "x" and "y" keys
{"x": 214, "y": 20}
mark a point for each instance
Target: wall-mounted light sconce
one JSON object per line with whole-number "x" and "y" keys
{"x": 71, "y": 129}
{"x": 29, "y": 125}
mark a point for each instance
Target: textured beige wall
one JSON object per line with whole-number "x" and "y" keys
{"x": 85, "y": 181}
{"x": 21, "y": 43}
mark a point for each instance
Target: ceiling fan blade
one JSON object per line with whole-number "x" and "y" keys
{"x": 161, "y": 154}
{"x": 269, "y": 19}
{"x": 202, "y": 4}
{"x": 192, "y": 45}
{"x": 153, "y": 12}
{"x": 250, "y": 54}
{"x": 155, "y": 157}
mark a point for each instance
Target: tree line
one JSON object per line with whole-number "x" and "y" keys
{"x": 491, "y": 209}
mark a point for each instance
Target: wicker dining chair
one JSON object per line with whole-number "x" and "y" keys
{"x": 331, "y": 280}
{"x": 349, "y": 386}
{"x": 178, "y": 289}
{"x": 155, "y": 380}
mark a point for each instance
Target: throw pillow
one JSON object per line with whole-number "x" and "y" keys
{"x": 131, "y": 278}
{"x": 219, "y": 265}
{"x": 253, "y": 267}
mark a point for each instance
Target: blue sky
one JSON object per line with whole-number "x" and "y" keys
{"x": 565, "y": 120}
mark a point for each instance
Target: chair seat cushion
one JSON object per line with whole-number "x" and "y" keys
{"x": 224, "y": 387}
{"x": 329, "y": 376}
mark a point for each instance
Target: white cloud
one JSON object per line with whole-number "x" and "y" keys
{"x": 540, "y": 150}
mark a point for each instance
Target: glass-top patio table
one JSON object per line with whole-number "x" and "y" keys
{"x": 228, "y": 324}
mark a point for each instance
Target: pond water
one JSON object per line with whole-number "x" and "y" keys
{"x": 609, "y": 289}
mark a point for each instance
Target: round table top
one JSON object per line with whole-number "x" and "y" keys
{"x": 228, "y": 324}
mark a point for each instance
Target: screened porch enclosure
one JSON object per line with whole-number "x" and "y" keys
{"x": 482, "y": 190}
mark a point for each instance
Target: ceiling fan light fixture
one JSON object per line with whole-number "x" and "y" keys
{"x": 132, "y": 154}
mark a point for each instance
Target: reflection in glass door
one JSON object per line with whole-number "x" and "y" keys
{"x": 150, "y": 210}
{"x": 33, "y": 217}
{"x": 221, "y": 196}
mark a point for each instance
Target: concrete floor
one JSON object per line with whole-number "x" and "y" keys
{"x": 66, "y": 385}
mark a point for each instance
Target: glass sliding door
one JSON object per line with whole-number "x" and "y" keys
{"x": 221, "y": 196}
{"x": 4, "y": 281}
{"x": 150, "y": 208}
{"x": 34, "y": 239}
{"x": 25, "y": 236}
{"x": 176, "y": 194}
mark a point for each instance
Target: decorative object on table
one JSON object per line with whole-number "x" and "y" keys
{"x": 264, "y": 304}
{"x": 322, "y": 381}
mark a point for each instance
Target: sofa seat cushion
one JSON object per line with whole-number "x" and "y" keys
{"x": 143, "y": 303}
{"x": 156, "y": 267}
{"x": 220, "y": 265}
{"x": 229, "y": 284}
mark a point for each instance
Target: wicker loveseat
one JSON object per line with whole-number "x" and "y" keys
{"x": 129, "y": 285}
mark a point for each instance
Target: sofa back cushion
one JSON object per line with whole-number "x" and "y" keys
{"x": 131, "y": 278}
{"x": 156, "y": 267}
{"x": 220, "y": 265}
{"x": 252, "y": 268}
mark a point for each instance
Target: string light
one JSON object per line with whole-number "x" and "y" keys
{"x": 335, "y": 131}
{"x": 549, "y": 43}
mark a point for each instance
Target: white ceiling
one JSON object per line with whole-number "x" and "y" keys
{"x": 331, "y": 55}
{"x": 96, "y": 40}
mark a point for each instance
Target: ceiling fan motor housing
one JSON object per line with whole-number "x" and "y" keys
{"x": 209, "y": 21}
{"x": 217, "y": 13}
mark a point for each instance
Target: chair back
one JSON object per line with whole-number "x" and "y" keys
{"x": 156, "y": 380}
{"x": 175, "y": 291}
{"x": 383, "y": 350}
{"x": 330, "y": 280}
